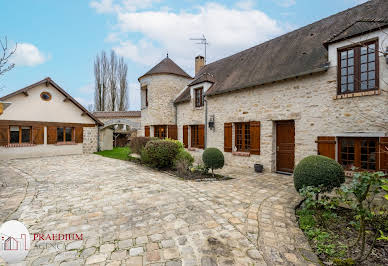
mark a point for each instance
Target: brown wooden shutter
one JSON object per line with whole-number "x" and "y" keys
{"x": 172, "y": 132}
{"x": 79, "y": 134}
{"x": 228, "y": 137}
{"x": 186, "y": 136}
{"x": 51, "y": 135}
{"x": 201, "y": 136}
{"x": 4, "y": 135}
{"x": 146, "y": 131}
{"x": 255, "y": 137}
{"x": 326, "y": 146}
{"x": 383, "y": 154}
{"x": 38, "y": 135}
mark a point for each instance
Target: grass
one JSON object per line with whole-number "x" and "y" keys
{"x": 120, "y": 153}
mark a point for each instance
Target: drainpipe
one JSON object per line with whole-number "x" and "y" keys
{"x": 205, "y": 144}
{"x": 176, "y": 114}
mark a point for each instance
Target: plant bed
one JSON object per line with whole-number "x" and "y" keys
{"x": 197, "y": 175}
{"x": 331, "y": 235}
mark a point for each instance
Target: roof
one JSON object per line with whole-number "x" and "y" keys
{"x": 294, "y": 54}
{"x": 109, "y": 114}
{"x": 166, "y": 66}
{"x": 185, "y": 94}
{"x": 357, "y": 28}
{"x": 46, "y": 81}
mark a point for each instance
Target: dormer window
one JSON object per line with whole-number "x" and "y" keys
{"x": 198, "y": 95}
{"x": 358, "y": 68}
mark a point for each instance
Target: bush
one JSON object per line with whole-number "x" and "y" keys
{"x": 318, "y": 171}
{"x": 213, "y": 158}
{"x": 138, "y": 143}
{"x": 160, "y": 153}
{"x": 183, "y": 162}
{"x": 180, "y": 144}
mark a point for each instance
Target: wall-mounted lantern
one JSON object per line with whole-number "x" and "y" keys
{"x": 211, "y": 122}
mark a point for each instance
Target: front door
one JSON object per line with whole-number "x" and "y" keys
{"x": 285, "y": 146}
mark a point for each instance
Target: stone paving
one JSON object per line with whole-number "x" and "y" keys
{"x": 132, "y": 215}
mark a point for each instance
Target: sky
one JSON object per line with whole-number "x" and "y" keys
{"x": 60, "y": 39}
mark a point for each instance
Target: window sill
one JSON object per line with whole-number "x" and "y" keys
{"x": 241, "y": 153}
{"x": 14, "y": 145}
{"x": 198, "y": 108}
{"x": 194, "y": 149}
{"x": 65, "y": 143}
{"x": 356, "y": 94}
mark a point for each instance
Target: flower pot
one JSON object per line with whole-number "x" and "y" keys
{"x": 258, "y": 168}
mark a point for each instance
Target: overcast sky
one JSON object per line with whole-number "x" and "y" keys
{"x": 61, "y": 38}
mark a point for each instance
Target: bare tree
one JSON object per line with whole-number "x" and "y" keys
{"x": 105, "y": 79}
{"x": 5, "y": 55}
{"x": 98, "y": 85}
{"x": 113, "y": 81}
{"x": 122, "y": 77}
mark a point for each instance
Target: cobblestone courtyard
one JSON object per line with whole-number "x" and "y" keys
{"x": 132, "y": 215}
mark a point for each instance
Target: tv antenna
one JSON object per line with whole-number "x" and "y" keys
{"x": 201, "y": 41}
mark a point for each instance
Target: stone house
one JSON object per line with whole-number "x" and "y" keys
{"x": 44, "y": 120}
{"x": 321, "y": 89}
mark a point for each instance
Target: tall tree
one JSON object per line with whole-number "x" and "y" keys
{"x": 5, "y": 55}
{"x": 97, "y": 84}
{"x": 113, "y": 81}
{"x": 122, "y": 77}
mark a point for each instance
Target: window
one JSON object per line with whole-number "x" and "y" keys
{"x": 160, "y": 131}
{"x": 195, "y": 136}
{"x": 19, "y": 134}
{"x": 45, "y": 96}
{"x": 198, "y": 97}
{"x": 243, "y": 137}
{"x": 357, "y": 68}
{"x": 359, "y": 152}
{"x": 65, "y": 134}
{"x": 144, "y": 96}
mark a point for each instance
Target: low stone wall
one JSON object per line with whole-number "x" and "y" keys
{"x": 90, "y": 140}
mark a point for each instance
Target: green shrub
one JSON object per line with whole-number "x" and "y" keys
{"x": 180, "y": 144}
{"x": 318, "y": 171}
{"x": 138, "y": 143}
{"x": 213, "y": 158}
{"x": 160, "y": 153}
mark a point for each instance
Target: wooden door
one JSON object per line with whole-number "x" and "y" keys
{"x": 285, "y": 146}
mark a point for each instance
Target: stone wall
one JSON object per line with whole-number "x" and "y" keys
{"x": 310, "y": 101}
{"x": 90, "y": 139}
{"x": 162, "y": 91}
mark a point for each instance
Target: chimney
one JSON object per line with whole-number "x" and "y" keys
{"x": 199, "y": 63}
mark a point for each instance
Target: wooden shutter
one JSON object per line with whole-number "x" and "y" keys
{"x": 255, "y": 137}
{"x": 79, "y": 134}
{"x": 201, "y": 136}
{"x": 228, "y": 137}
{"x": 146, "y": 131}
{"x": 38, "y": 135}
{"x": 383, "y": 152}
{"x": 172, "y": 132}
{"x": 4, "y": 135}
{"x": 185, "y": 136}
{"x": 326, "y": 146}
{"x": 51, "y": 135}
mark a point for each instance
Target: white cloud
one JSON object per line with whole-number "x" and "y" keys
{"x": 134, "y": 96}
{"x": 103, "y": 6}
{"x": 245, "y": 4}
{"x": 110, "y": 6}
{"x": 227, "y": 30}
{"x": 285, "y": 3}
{"x": 28, "y": 55}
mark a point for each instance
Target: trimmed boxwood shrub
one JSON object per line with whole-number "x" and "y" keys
{"x": 160, "y": 153}
{"x": 318, "y": 171}
{"x": 213, "y": 158}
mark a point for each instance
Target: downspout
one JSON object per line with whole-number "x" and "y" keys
{"x": 176, "y": 114}
{"x": 205, "y": 144}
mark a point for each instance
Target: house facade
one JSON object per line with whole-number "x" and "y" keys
{"x": 321, "y": 89}
{"x": 44, "y": 120}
